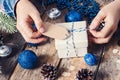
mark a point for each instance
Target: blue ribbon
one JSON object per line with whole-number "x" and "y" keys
{"x": 73, "y": 43}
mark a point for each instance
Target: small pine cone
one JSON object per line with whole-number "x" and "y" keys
{"x": 90, "y": 73}
{"x": 79, "y": 76}
{"x": 49, "y": 71}
{"x": 84, "y": 74}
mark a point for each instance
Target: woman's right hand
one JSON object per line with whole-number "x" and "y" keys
{"x": 27, "y": 15}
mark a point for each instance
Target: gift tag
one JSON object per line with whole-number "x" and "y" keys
{"x": 55, "y": 31}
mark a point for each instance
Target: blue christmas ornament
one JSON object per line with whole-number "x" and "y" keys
{"x": 90, "y": 59}
{"x": 73, "y": 16}
{"x": 27, "y": 59}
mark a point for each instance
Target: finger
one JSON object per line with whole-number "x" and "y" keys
{"x": 33, "y": 40}
{"x": 106, "y": 31}
{"x": 38, "y": 22}
{"x": 26, "y": 29}
{"x": 97, "y": 20}
{"x": 38, "y": 40}
{"x": 102, "y": 40}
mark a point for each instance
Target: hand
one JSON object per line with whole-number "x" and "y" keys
{"x": 111, "y": 15}
{"x": 27, "y": 14}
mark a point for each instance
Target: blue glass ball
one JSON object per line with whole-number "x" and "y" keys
{"x": 73, "y": 16}
{"x": 27, "y": 59}
{"x": 90, "y": 59}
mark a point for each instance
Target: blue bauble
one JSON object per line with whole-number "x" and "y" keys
{"x": 73, "y": 16}
{"x": 90, "y": 59}
{"x": 27, "y": 59}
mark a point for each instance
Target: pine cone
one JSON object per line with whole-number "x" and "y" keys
{"x": 84, "y": 74}
{"x": 49, "y": 71}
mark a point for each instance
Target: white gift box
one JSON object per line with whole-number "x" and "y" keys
{"x": 76, "y": 44}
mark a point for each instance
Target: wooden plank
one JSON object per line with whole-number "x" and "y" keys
{"x": 8, "y": 63}
{"x": 109, "y": 69}
{"x": 48, "y": 54}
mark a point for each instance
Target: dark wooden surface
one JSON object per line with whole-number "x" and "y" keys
{"x": 109, "y": 68}
{"x": 9, "y": 63}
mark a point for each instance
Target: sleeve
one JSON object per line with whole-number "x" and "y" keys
{"x": 8, "y": 7}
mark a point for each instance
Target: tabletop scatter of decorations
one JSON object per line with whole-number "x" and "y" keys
{"x": 84, "y": 74}
{"x": 49, "y": 72}
{"x": 28, "y": 59}
{"x": 87, "y": 8}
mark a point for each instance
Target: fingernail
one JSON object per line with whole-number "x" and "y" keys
{"x": 42, "y": 30}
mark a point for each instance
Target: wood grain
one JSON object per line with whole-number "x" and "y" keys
{"x": 109, "y": 68}
{"x": 8, "y": 63}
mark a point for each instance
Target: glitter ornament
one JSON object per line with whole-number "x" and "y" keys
{"x": 90, "y": 59}
{"x": 27, "y": 59}
{"x": 5, "y": 51}
{"x": 73, "y": 16}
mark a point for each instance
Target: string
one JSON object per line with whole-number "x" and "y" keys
{"x": 73, "y": 40}
{"x": 72, "y": 30}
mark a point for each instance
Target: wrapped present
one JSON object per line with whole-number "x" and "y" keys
{"x": 76, "y": 44}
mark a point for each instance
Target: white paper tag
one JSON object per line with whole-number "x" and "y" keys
{"x": 56, "y": 31}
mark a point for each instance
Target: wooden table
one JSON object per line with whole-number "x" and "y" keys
{"x": 11, "y": 70}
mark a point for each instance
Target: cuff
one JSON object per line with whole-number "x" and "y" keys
{"x": 9, "y": 6}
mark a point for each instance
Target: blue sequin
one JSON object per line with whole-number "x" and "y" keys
{"x": 90, "y": 59}
{"x": 27, "y": 59}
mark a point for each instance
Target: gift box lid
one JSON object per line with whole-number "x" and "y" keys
{"x": 78, "y": 36}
